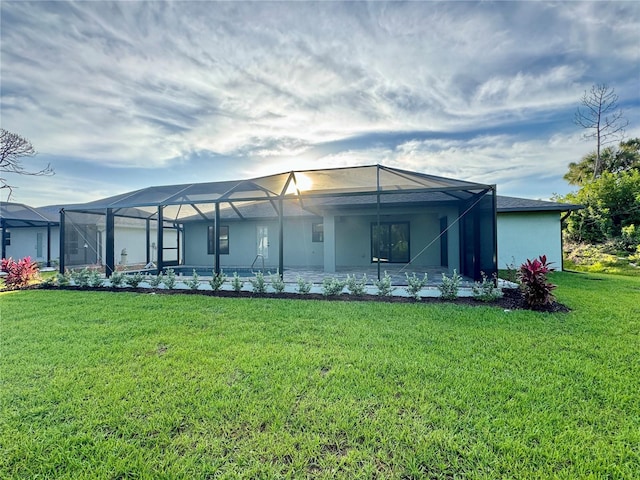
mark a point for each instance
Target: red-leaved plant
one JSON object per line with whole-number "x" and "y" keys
{"x": 533, "y": 282}
{"x": 20, "y": 273}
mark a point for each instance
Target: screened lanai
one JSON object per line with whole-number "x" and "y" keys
{"x": 368, "y": 218}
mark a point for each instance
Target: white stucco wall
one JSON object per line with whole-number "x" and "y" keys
{"x": 527, "y": 235}
{"x": 299, "y": 250}
{"x": 351, "y": 245}
{"x": 134, "y": 239}
{"x": 24, "y": 243}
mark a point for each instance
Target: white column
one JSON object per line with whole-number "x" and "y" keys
{"x": 329, "y": 230}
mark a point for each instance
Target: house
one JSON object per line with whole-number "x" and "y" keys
{"x": 336, "y": 221}
{"x": 27, "y": 232}
{"x": 35, "y": 232}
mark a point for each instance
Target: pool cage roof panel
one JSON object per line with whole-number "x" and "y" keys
{"x": 199, "y": 199}
{"x": 20, "y": 215}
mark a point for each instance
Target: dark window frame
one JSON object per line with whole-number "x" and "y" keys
{"x": 388, "y": 225}
{"x": 72, "y": 242}
{"x": 7, "y": 238}
{"x": 317, "y": 235}
{"x": 224, "y": 240}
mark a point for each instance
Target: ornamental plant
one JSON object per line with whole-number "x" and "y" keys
{"x": 332, "y": 286}
{"x": 81, "y": 277}
{"x": 217, "y": 279}
{"x": 357, "y": 287}
{"x": 154, "y": 280}
{"x": 19, "y": 274}
{"x": 486, "y": 291}
{"x": 95, "y": 278}
{"x": 134, "y": 280}
{"x": 415, "y": 284}
{"x": 259, "y": 284}
{"x": 169, "y": 279}
{"x": 450, "y": 286}
{"x": 304, "y": 286}
{"x": 384, "y": 285}
{"x": 277, "y": 283}
{"x": 116, "y": 279}
{"x": 194, "y": 283}
{"x": 534, "y": 284}
{"x": 236, "y": 283}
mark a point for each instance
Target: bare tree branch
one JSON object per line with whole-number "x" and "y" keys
{"x": 602, "y": 119}
{"x": 13, "y": 150}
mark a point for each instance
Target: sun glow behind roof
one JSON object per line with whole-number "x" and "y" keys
{"x": 300, "y": 183}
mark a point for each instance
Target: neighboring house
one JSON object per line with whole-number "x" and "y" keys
{"x": 27, "y": 232}
{"x": 35, "y": 232}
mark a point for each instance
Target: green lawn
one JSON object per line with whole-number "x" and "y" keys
{"x": 122, "y": 385}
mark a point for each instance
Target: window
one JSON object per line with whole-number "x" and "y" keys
{"x": 391, "y": 240}
{"x": 7, "y": 238}
{"x": 72, "y": 242}
{"x": 317, "y": 232}
{"x": 224, "y": 240}
{"x": 39, "y": 244}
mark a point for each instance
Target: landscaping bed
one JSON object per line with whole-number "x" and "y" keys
{"x": 512, "y": 298}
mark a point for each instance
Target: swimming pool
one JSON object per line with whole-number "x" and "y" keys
{"x": 187, "y": 271}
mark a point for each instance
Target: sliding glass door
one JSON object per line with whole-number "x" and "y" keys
{"x": 390, "y": 241}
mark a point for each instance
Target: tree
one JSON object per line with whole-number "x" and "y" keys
{"x": 612, "y": 203}
{"x": 624, "y": 158}
{"x": 13, "y": 149}
{"x": 602, "y": 119}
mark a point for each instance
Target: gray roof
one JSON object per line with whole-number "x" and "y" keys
{"x": 515, "y": 204}
{"x": 21, "y": 215}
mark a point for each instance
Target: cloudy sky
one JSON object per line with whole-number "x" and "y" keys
{"x": 124, "y": 95}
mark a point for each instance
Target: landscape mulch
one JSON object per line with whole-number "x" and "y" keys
{"x": 512, "y": 299}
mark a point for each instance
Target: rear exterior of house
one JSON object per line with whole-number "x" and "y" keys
{"x": 406, "y": 223}
{"x": 354, "y": 218}
{"x": 335, "y": 241}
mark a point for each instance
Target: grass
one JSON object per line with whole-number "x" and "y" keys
{"x": 121, "y": 385}
{"x": 610, "y": 264}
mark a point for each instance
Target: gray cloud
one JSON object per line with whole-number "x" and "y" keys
{"x": 152, "y": 84}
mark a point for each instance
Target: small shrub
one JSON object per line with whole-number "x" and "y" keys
{"x": 154, "y": 281}
{"x": 63, "y": 279}
{"x": 356, "y": 287}
{"x": 450, "y": 286}
{"x": 630, "y": 237}
{"x": 384, "y": 286}
{"x": 259, "y": 284}
{"x": 332, "y": 286}
{"x": 217, "y": 280}
{"x": 19, "y": 274}
{"x": 635, "y": 257}
{"x": 236, "y": 283}
{"x": 533, "y": 282}
{"x": 415, "y": 284}
{"x": 117, "y": 279}
{"x": 304, "y": 286}
{"x": 169, "y": 279}
{"x": 277, "y": 283}
{"x": 48, "y": 282}
{"x": 134, "y": 280}
{"x": 194, "y": 283}
{"x": 486, "y": 291}
{"x": 511, "y": 272}
{"x": 96, "y": 279}
{"x": 80, "y": 278}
